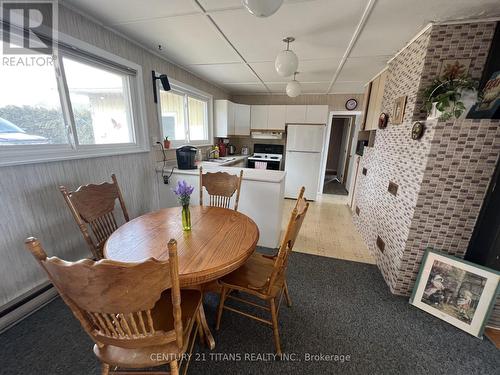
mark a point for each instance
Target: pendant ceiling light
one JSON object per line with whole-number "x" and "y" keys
{"x": 287, "y": 61}
{"x": 262, "y": 8}
{"x": 293, "y": 87}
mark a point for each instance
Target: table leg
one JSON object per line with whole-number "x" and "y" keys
{"x": 208, "y": 335}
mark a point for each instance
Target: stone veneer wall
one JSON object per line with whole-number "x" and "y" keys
{"x": 442, "y": 178}
{"x": 395, "y": 157}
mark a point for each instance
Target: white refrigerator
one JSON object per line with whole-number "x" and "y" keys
{"x": 304, "y": 151}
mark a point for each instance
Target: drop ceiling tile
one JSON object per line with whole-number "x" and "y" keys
{"x": 225, "y": 73}
{"x": 307, "y": 88}
{"x": 348, "y": 88}
{"x": 118, "y": 11}
{"x": 322, "y": 29}
{"x": 246, "y": 88}
{"x": 185, "y": 40}
{"x": 309, "y": 70}
{"x": 362, "y": 68}
{"x": 218, "y": 5}
{"x": 394, "y": 23}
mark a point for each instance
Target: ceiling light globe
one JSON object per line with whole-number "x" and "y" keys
{"x": 262, "y": 8}
{"x": 293, "y": 89}
{"x": 286, "y": 63}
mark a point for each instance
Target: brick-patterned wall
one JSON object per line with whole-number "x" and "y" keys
{"x": 442, "y": 178}
{"x": 395, "y": 157}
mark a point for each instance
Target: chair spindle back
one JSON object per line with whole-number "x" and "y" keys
{"x": 93, "y": 206}
{"x": 292, "y": 231}
{"x": 220, "y": 187}
{"x": 114, "y": 301}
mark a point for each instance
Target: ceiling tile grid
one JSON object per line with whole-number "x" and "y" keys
{"x": 220, "y": 41}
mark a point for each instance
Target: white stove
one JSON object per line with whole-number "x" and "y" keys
{"x": 266, "y": 157}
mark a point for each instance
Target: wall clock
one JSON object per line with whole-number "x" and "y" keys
{"x": 351, "y": 104}
{"x": 417, "y": 131}
{"x": 382, "y": 120}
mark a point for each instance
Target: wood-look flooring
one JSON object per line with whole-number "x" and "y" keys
{"x": 328, "y": 230}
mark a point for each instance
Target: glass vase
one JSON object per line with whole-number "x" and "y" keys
{"x": 186, "y": 218}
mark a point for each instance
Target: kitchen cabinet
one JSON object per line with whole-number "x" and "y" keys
{"x": 224, "y": 118}
{"x": 276, "y": 119}
{"x": 231, "y": 119}
{"x": 296, "y": 114}
{"x": 241, "y": 119}
{"x": 316, "y": 114}
{"x": 374, "y": 105}
{"x": 259, "y": 116}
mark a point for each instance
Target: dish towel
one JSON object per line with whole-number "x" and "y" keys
{"x": 260, "y": 165}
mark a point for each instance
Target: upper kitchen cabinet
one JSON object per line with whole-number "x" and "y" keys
{"x": 316, "y": 114}
{"x": 374, "y": 96}
{"x": 224, "y": 118}
{"x": 259, "y": 117}
{"x": 296, "y": 114}
{"x": 231, "y": 119}
{"x": 276, "y": 119}
{"x": 241, "y": 119}
{"x": 306, "y": 114}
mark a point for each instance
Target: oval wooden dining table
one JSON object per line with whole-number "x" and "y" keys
{"x": 219, "y": 242}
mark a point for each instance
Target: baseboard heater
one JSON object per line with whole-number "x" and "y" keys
{"x": 25, "y": 305}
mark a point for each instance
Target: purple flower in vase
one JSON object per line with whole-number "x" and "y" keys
{"x": 183, "y": 192}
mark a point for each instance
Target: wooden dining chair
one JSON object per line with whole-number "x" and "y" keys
{"x": 264, "y": 276}
{"x": 93, "y": 207}
{"x": 135, "y": 313}
{"x": 220, "y": 187}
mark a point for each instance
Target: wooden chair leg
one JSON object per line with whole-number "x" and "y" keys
{"x": 104, "y": 369}
{"x": 287, "y": 295}
{"x": 221, "y": 306}
{"x": 174, "y": 368}
{"x": 274, "y": 317}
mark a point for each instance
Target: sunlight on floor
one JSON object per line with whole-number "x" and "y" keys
{"x": 328, "y": 230}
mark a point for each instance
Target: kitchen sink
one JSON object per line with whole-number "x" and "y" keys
{"x": 221, "y": 160}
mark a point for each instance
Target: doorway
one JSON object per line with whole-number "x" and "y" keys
{"x": 338, "y": 156}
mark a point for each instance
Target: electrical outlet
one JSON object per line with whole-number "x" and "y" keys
{"x": 154, "y": 140}
{"x": 165, "y": 180}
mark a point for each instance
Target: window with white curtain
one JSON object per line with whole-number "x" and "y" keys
{"x": 185, "y": 115}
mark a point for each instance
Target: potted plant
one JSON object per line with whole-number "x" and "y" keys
{"x": 166, "y": 142}
{"x": 450, "y": 96}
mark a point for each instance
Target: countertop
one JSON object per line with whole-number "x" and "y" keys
{"x": 231, "y": 159}
{"x": 263, "y": 175}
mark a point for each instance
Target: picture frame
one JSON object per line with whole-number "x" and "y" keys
{"x": 488, "y": 104}
{"x": 454, "y": 67}
{"x": 457, "y": 291}
{"x": 398, "y": 111}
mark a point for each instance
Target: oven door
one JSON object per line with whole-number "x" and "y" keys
{"x": 270, "y": 164}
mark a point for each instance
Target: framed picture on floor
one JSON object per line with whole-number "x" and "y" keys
{"x": 456, "y": 291}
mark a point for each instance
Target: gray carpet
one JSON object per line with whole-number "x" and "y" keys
{"x": 340, "y": 307}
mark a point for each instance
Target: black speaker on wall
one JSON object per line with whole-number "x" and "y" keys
{"x": 164, "y": 82}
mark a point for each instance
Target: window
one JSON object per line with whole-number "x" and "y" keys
{"x": 185, "y": 115}
{"x": 30, "y": 106}
{"x": 81, "y": 102}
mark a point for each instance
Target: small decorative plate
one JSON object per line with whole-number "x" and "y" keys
{"x": 351, "y": 104}
{"x": 382, "y": 120}
{"x": 417, "y": 131}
